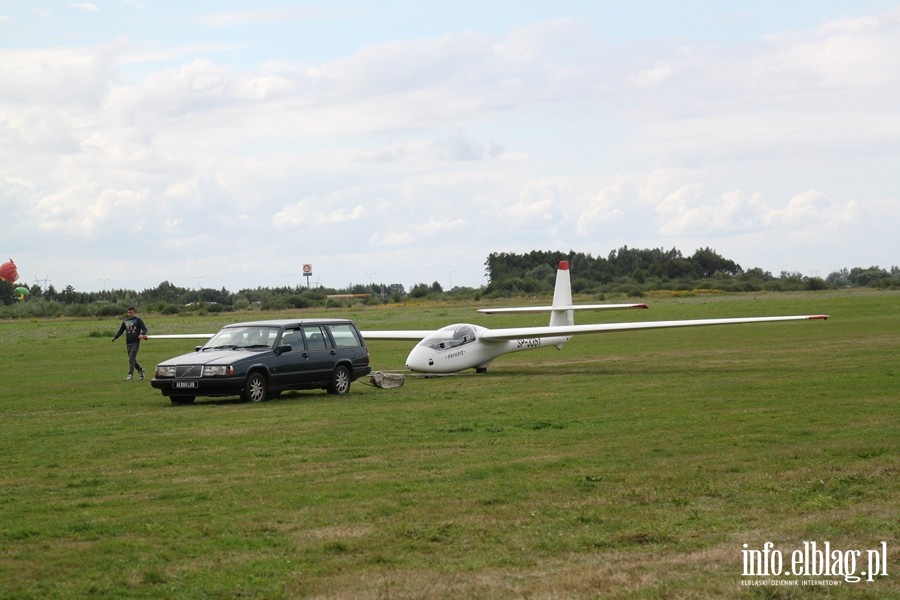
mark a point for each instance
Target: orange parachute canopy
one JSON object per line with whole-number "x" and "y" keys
{"x": 8, "y": 271}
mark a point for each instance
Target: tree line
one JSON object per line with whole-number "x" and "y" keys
{"x": 167, "y": 298}
{"x": 625, "y": 271}
{"x": 633, "y": 271}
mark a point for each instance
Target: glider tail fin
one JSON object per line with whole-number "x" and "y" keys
{"x": 562, "y": 297}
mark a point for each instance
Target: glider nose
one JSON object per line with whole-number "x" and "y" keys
{"x": 419, "y": 360}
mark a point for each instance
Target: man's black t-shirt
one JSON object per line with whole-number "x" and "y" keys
{"x": 134, "y": 328}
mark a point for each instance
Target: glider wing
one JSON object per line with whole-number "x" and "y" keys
{"x": 181, "y": 336}
{"x": 408, "y": 334}
{"x": 568, "y": 330}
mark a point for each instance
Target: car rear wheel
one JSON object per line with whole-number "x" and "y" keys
{"x": 255, "y": 388}
{"x": 182, "y": 399}
{"x": 340, "y": 381}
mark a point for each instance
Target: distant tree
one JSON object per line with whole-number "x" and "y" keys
{"x": 7, "y": 293}
{"x": 419, "y": 290}
{"x": 871, "y": 277}
{"x": 757, "y": 274}
{"x": 814, "y": 284}
{"x": 68, "y": 295}
{"x": 711, "y": 263}
{"x": 839, "y": 278}
{"x": 543, "y": 272}
{"x": 165, "y": 292}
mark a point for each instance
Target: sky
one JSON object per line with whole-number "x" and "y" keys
{"x": 225, "y": 144}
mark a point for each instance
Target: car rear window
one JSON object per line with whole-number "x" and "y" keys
{"x": 345, "y": 336}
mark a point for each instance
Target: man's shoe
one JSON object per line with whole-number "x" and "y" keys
{"x": 142, "y": 374}
{"x": 129, "y": 377}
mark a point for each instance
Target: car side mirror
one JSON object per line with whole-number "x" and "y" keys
{"x": 282, "y": 349}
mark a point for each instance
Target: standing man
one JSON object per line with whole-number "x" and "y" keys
{"x": 134, "y": 329}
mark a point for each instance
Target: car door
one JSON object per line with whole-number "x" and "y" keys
{"x": 320, "y": 354}
{"x": 291, "y": 365}
{"x": 348, "y": 344}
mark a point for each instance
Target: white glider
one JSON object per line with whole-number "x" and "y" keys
{"x": 465, "y": 346}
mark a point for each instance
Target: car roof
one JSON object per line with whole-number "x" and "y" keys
{"x": 290, "y": 322}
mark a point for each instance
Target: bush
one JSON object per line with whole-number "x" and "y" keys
{"x": 629, "y": 290}
{"x": 815, "y": 284}
{"x": 169, "y": 309}
{"x": 109, "y": 310}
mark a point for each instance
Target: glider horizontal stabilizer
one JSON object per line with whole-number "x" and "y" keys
{"x": 538, "y": 309}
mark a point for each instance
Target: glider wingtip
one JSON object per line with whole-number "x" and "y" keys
{"x": 821, "y": 317}
{"x": 641, "y": 306}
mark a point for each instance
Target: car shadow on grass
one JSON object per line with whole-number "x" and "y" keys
{"x": 281, "y": 397}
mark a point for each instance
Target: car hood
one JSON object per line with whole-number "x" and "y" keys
{"x": 213, "y": 357}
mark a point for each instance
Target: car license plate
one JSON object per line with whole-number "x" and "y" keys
{"x": 181, "y": 385}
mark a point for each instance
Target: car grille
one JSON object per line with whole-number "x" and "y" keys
{"x": 188, "y": 371}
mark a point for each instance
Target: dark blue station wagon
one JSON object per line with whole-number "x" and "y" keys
{"x": 260, "y": 359}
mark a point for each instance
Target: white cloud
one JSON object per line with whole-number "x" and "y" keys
{"x": 81, "y": 211}
{"x": 603, "y": 208}
{"x": 275, "y": 15}
{"x": 458, "y": 146}
{"x": 173, "y": 226}
{"x": 667, "y": 69}
{"x": 799, "y": 92}
{"x": 85, "y": 6}
{"x": 315, "y": 211}
{"x": 430, "y": 230}
{"x": 813, "y": 208}
{"x": 688, "y": 211}
{"x": 537, "y": 204}
{"x": 849, "y": 52}
{"x": 393, "y": 238}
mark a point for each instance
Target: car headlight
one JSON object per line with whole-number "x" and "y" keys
{"x": 162, "y": 371}
{"x": 218, "y": 371}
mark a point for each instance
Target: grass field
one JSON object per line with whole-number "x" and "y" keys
{"x": 631, "y": 465}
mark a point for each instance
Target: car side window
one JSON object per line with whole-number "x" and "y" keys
{"x": 345, "y": 336}
{"x": 316, "y": 338}
{"x": 292, "y": 338}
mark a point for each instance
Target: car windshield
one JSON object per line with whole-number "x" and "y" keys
{"x": 450, "y": 337}
{"x": 246, "y": 336}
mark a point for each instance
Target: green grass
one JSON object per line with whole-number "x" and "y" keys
{"x": 627, "y": 465}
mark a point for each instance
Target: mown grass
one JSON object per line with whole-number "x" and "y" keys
{"x": 626, "y": 465}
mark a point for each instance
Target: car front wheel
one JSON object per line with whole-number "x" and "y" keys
{"x": 255, "y": 388}
{"x": 340, "y": 381}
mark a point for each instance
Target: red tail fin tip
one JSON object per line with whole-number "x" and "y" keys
{"x": 563, "y": 265}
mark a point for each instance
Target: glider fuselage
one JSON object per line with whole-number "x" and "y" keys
{"x": 460, "y": 347}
